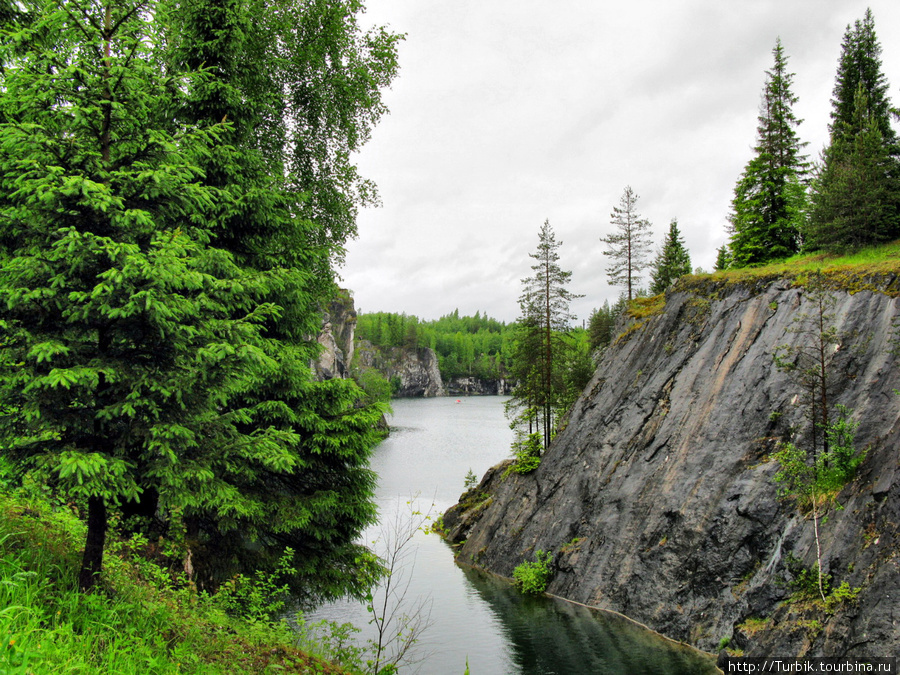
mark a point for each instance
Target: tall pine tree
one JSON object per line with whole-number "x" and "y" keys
{"x": 855, "y": 198}
{"x": 769, "y": 198}
{"x": 629, "y": 245}
{"x": 545, "y": 318}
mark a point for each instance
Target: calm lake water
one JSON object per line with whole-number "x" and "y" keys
{"x": 475, "y": 616}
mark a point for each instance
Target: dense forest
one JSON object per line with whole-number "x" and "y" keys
{"x": 467, "y": 346}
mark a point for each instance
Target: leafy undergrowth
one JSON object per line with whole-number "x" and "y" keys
{"x": 140, "y": 621}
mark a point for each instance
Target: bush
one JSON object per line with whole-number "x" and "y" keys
{"x": 532, "y": 577}
{"x": 527, "y": 453}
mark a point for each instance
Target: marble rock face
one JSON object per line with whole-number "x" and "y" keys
{"x": 658, "y": 499}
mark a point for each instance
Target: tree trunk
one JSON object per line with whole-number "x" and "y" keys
{"x": 92, "y": 562}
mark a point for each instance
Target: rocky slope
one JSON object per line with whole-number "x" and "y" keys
{"x": 337, "y": 338}
{"x": 415, "y": 370}
{"x": 658, "y": 498}
{"x": 474, "y": 386}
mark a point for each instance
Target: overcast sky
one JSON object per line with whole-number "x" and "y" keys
{"x": 510, "y": 112}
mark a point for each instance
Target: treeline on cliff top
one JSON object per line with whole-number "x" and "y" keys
{"x": 467, "y": 346}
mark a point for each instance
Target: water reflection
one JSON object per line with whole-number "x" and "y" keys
{"x": 476, "y": 617}
{"x": 551, "y": 636}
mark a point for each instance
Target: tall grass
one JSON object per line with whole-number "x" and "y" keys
{"x": 141, "y": 620}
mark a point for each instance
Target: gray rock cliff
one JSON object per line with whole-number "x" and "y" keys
{"x": 416, "y": 370}
{"x": 474, "y": 386}
{"x": 336, "y": 339}
{"x": 658, "y": 497}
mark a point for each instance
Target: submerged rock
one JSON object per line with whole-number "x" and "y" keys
{"x": 658, "y": 498}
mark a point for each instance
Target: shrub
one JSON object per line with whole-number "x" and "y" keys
{"x": 532, "y": 577}
{"x": 527, "y": 453}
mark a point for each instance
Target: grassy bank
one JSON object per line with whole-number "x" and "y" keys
{"x": 872, "y": 268}
{"x": 143, "y": 620}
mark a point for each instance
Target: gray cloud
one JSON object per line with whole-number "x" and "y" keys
{"x": 509, "y": 112}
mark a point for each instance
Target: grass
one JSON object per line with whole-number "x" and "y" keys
{"x": 142, "y": 620}
{"x": 866, "y": 269}
{"x": 871, "y": 269}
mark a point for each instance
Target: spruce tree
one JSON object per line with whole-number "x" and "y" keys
{"x": 629, "y": 245}
{"x": 855, "y": 198}
{"x": 672, "y": 261}
{"x": 769, "y": 198}
{"x": 125, "y": 328}
{"x": 297, "y": 121}
{"x": 856, "y": 195}
{"x": 161, "y": 279}
{"x": 723, "y": 258}
{"x": 860, "y": 66}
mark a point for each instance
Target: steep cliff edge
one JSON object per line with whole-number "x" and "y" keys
{"x": 658, "y": 498}
{"x": 415, "y": 370}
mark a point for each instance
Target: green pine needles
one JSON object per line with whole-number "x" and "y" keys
{"x": 157, "y": 294}
{"x": 769, "y": 198}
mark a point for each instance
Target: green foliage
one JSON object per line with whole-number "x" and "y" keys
{"x": 549, "y": 361}
{"x": 144, "y": 618}
{"x": 532, "y": 577}
{"x": 260, "y": 597}
{"x": 672, "y": 261}
{"x": 160, "y": 275}
{"x": 859, "y": 67}
{"x": 805, "y": 586}
{"x": 805, "y": 581}
{"x": 830, "y": 470}
{"x": 856, "y": 193}
{"x": 769, "y": 198}
{"x": 602, "y": 323}
{"x": 470, "y": 481}
{"x": 723, "y": 258}
{"x": 527, "y": 452}
{"x": 377, "y": 389}
{"x": 629, "y": 245}
{"x": 466, "y": 346}
{"x": 841, "y": 595}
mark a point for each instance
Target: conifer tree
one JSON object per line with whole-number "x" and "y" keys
{"x": 855, "y": 198}
{"x": 296, "y": 123}
{"x": 601, "y": 324}
{"x": 856, "y": 194}
{"x": 160, "y": 280}
{"x": 723, "y": 258}
{"x": 672, "y": 261}
{"x": 860, "y": 66}
{"x": 769, "y": 197}
{"x": 545, "y": 317}
{"x": 629, "y": 245}
{"x": 123, "y": 331}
